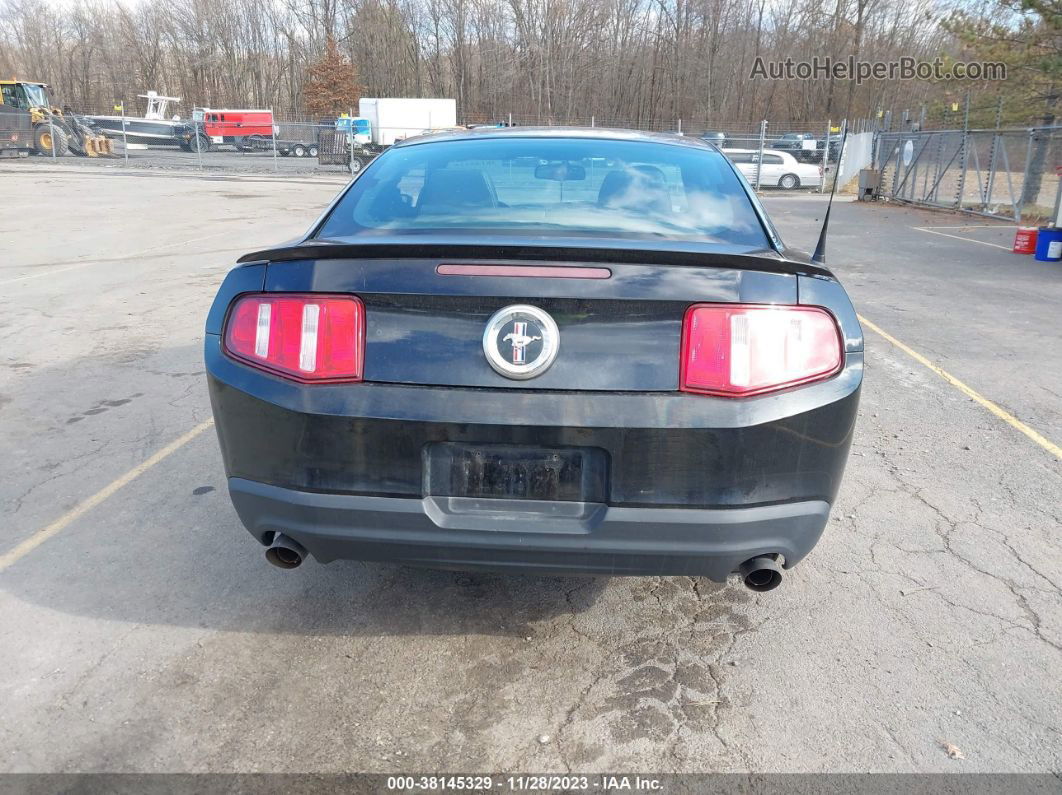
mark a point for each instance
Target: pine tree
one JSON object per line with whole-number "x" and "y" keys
{"x": 1026, "y": 35}
{"x": 332, "y": 83}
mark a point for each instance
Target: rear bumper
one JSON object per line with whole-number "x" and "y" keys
{"x": 696, "y": 485}
{"x": 666, "y": 450}
{"x": 511, "y": 535}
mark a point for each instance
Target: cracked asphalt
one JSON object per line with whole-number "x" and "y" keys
{"x": 150, "y": 635}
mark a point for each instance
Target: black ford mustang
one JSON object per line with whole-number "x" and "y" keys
{"x": 560, "y": 350}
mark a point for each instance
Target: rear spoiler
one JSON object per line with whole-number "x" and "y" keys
{"x": 618, "y": 251}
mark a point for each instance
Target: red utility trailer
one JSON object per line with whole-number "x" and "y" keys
{"x": 241, "y": 128}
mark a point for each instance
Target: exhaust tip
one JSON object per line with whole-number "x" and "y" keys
{"x": 283, "y": 558}
{"x": 285, "y": 553}
{"x": 761, "y": 574}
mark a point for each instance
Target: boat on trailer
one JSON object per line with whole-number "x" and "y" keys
{"x": 151, "y": 129}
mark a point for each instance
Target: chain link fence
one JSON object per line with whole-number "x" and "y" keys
{"x": 1011, "y": 174}
{"x": 262, "y": 142}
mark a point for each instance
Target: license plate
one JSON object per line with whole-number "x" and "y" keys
{"x": 576, "y": 474}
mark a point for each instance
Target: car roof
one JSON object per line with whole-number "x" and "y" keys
{"x": 560, "y": 133}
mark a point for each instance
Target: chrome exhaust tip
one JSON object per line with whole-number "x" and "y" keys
{"x": 286, "y": 553}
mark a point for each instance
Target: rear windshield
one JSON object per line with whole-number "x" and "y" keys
{"x": 569, "y": 187}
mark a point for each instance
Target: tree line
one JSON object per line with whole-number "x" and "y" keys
{"x": 643, "y": 63}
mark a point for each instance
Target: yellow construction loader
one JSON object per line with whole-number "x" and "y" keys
{"x": 53, "y": 130}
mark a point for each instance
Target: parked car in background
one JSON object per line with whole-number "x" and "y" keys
{"x": 835, "y": 148}
{"x": 714, "y": 137}
{"x": 802, "y": 146}
{"x": 806, "y": 147}
{"x": 779, "y": 169}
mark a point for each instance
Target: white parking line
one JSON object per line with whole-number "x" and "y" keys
{"x": 970, "y": 226}
{"x": 933, "y": 231}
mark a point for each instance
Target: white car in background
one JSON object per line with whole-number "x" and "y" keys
{"x": 779, "y": 169}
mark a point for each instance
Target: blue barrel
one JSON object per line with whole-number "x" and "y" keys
{"x": 1049, "y": 244}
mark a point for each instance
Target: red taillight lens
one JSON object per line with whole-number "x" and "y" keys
{"x": 305, "y": 337}
{"x": 735, "y": 350}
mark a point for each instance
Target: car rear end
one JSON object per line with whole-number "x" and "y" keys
{"x": 696, "y": 417}
{"x": 810, "y": 174}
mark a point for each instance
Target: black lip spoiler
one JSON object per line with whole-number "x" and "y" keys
{"x": 766, "y": 260}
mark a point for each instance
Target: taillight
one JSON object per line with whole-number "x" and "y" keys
{"x": 736, "y": 350}
{"x": 305, "y": 337}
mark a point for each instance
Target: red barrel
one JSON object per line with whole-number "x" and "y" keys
{"x": 1025, "y": 240}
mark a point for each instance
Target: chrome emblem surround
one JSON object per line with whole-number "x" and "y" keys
{"x": 517, "y": 329}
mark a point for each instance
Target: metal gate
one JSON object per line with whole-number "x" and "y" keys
{"x": 998, "y": 173}
{"x": 332, "y": 148}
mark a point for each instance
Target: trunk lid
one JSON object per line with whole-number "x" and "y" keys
{"x": 621, "y": 331}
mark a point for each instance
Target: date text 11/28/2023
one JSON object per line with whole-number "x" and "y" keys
{"x": 524, "y": 783}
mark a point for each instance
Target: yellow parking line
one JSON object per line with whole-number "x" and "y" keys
{"x": 933, "y": 231}
{"x": 1004, "y": 415}
{"x": 21, "y": 550}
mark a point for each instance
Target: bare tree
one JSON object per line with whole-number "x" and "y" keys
{"x": 646, "y": 63}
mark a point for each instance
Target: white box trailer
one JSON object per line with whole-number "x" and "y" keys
{"x": 395, "y": 118}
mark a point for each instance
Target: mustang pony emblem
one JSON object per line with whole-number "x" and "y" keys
{"x": 520, "y": 340}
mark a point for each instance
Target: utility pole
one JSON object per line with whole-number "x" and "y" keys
{"x": 125, "y": 139}
{"x": 825, "y": 156}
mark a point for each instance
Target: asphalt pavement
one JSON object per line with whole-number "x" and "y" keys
{"x": 141, "y": 628}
